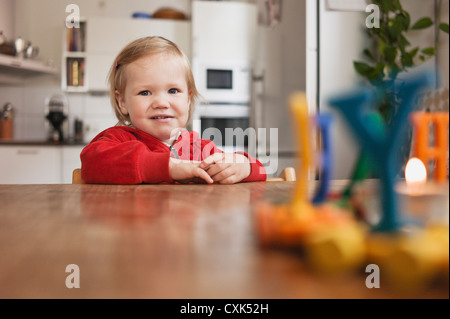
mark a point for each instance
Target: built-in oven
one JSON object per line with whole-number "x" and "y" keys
{"x": 223, "y": 116}
{"x": 224, "y": 124}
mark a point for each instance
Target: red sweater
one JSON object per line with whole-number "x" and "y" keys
{"x": 125, "y": 155}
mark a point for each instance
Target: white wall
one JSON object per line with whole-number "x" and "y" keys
{"x": 341, "y": 42}
{"x": 7, "y": 18}
{"x": 443, "y": 54}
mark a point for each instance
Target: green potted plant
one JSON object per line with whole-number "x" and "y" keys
{"x": 391, "y": 52}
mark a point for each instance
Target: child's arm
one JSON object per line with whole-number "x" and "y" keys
{"x": 123, "y": 163}
{"x": 115, "y": 156}
{"x": 225, "y": 168}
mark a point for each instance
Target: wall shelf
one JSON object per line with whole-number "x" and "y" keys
{"x": 73, "y": 76}
{"x": 20, "y": 67}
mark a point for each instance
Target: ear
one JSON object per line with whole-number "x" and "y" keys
{"x": 189, "y": 99}
{"x": 121, "y": 101}
{"x": 189, "y": 108}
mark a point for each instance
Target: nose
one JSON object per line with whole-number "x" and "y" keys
{"x": 160, "y": 101}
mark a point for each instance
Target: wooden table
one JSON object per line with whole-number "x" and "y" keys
{"x": 155, "y": 241}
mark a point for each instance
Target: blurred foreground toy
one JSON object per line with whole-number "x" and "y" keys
{"x": 410, "y": 255}
{"x": 333, "y": 241}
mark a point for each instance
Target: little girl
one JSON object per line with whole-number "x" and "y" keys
{"x": 153, "y": 93}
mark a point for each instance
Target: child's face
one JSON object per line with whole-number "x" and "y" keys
{"x": 156, "y": 95}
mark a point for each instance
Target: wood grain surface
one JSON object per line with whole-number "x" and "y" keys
{"x": 156, "y": 241}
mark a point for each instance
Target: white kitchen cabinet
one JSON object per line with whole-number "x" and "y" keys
{"x": 110, "y": 35}
{"x": 29, "y": 164}
{"x": 70, "y": 161}
{"x": 225, "y": 30}
{"x": 97, "y": 71}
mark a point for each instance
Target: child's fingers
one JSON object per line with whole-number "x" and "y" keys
{"x": 230, "y": 180}
{"x": 215, "y": 169}
{"x": 222, "y": 174}
{"x": 215, "y": 158}
{"x": 200, "y": 173}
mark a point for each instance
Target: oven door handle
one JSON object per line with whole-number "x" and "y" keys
{"x": 223, "y": 111}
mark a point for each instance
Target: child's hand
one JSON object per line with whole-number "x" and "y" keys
{"x": 225, "y": 168}
{"x": 186, "y": 171}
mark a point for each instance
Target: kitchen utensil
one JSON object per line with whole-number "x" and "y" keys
{"x": 31, "y": 51}
{"x": 20, "y": 45}
{"x": 7, "y": 112}
{"x": 56, "y": 111}
{"x": 78, "y": 130}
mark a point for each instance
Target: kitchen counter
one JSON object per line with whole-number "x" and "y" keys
{"x": 39, "y": 143}
{"x": 156, "y": 241}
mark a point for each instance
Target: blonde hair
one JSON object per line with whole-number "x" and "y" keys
{"x": 140, "y": 48}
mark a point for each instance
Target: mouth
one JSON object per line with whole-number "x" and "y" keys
{"x": 161, "y": 117}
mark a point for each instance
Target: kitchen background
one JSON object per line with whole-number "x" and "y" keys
{"x": 309, "y": 46}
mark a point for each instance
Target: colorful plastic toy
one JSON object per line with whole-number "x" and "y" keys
{"x": 410, "y": 255}
{"x": 333, "y": 241}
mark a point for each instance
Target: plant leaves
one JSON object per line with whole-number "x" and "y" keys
{"x": 406, "y": 60}
{"x": 428, "y": 51}
{"x": 402, "y": 42}
{"x": 381, "y": 45}
{"x": 395, "y": 28}
{"x": 402, "y": 19}
{"x": 377, "y": 74}
{"x": 383, "y": 4}
{"x": 444, "y": 27}
{"x": 369, "y": 54}
{"x": 390, "y": 53}
{"x": 406, "y": 19}
{"x": 363, "y": 68}
{"x": 422, "y": 23}
{"x": 388, "y": 5}
{"x": 396, "y": 5}
{"x": 413, "y": 52}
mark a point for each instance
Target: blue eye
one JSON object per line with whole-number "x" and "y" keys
{"x": 173, "y": 91}
{"x": 145, "y": 93}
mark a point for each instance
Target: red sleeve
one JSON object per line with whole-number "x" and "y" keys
{"x": 117, "y": 157}
{"x": 257, "y": 170}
